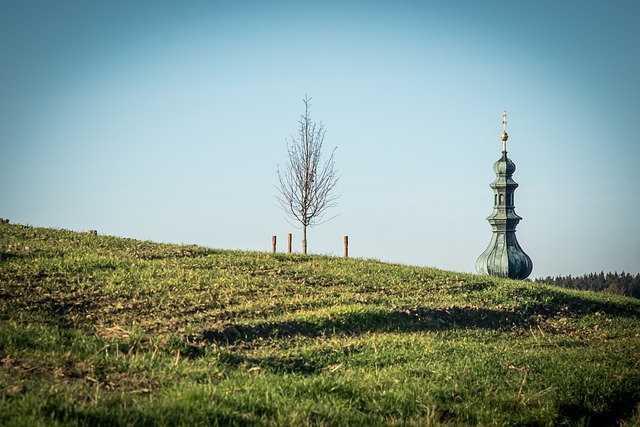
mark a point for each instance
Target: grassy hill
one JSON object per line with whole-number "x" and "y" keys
{"x": 98, "y": 330}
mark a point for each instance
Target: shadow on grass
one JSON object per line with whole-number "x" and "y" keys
{"x": 357, "y": 323}
{"x": 6, "y": 256}
{"x": 416, "y": 319}
{"x": 620, "y": 408}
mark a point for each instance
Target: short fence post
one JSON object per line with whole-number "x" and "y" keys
{"x": 289, "y": 239}
{"x": 273, "y": 244}
{"x": 346, "y": 246}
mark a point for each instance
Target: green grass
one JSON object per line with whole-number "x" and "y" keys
{"x": 98, "y": 330}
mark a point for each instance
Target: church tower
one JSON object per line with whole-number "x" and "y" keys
{"x": 504, "y": 257}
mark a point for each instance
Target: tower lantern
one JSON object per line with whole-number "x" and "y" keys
{"x": 504, "y": 257}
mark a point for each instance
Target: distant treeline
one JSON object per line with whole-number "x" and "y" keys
{"x": 615, "y": 283}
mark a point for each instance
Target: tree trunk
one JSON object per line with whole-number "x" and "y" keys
{"x": 304, "y": 239}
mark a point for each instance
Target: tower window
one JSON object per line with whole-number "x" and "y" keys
{"x": 501, "y": 198}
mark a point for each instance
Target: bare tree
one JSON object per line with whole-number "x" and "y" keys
{"x": 307, "y": 184}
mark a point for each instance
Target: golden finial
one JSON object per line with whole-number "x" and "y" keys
{"x": 504, "y": 135}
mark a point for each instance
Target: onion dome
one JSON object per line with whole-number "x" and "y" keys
{"x": 504, "y": 165}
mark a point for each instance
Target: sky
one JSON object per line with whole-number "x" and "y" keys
{"x": 167, "y": 121}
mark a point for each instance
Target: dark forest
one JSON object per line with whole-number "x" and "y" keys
{"x": 615, "y": 283}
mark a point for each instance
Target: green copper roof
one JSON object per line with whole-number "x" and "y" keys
{"x": 504, "y": 257}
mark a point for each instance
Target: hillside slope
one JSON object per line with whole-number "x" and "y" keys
{"x": 98, "y": 330}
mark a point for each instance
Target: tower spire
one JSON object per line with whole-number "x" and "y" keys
{"x": 504, "y": 257}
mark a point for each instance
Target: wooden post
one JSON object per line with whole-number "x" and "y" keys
{"x": 289, "y": 239}
{"x": 273, "y": 244}
{"x": 346, "y": 246}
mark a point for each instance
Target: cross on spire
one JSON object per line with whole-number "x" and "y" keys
{"x": 504, "y": 135}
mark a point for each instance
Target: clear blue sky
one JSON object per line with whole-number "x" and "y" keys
{"x": 166, "y": 121}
